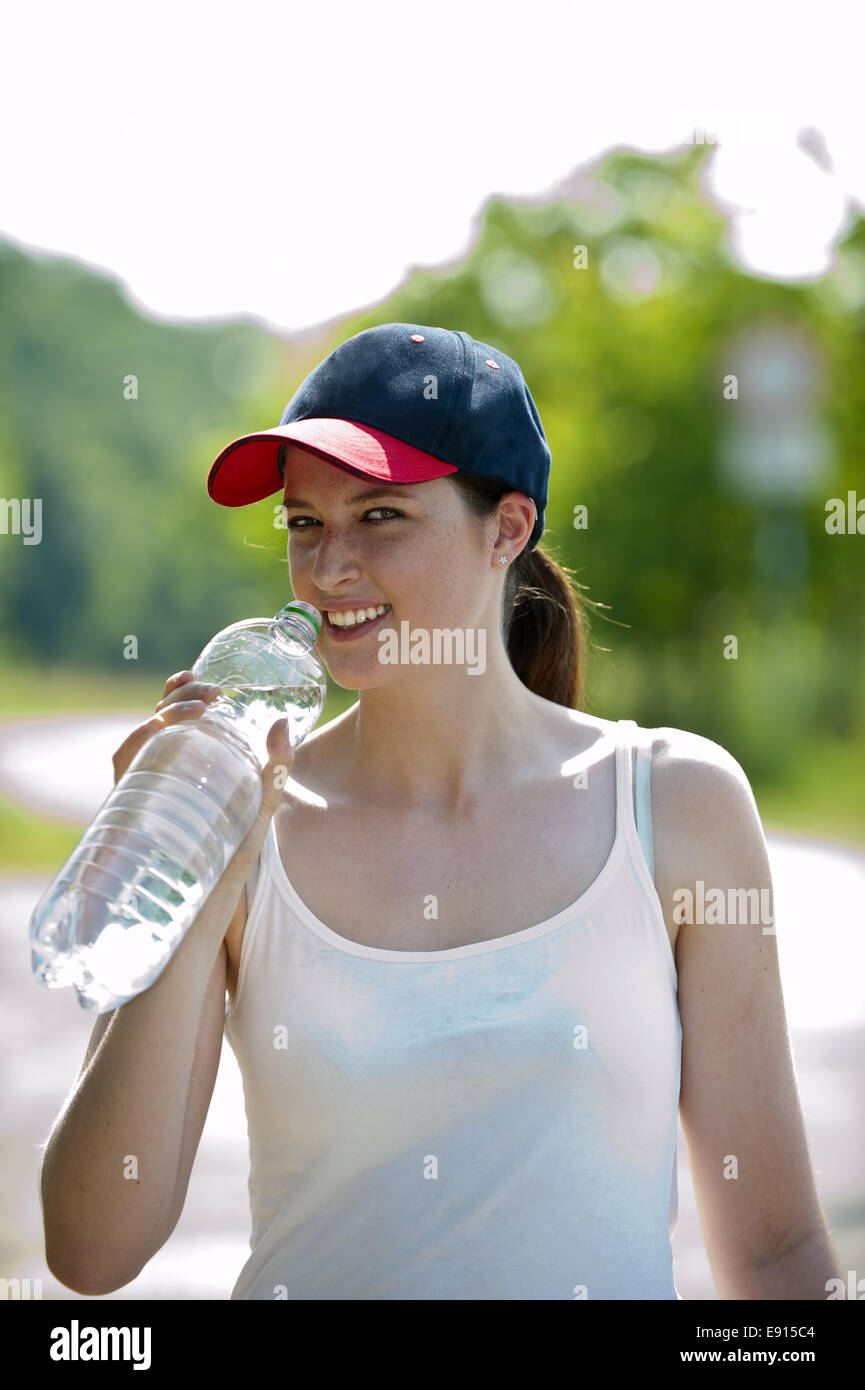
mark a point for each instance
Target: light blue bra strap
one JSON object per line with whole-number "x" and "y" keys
{"x": 643, "y": 797}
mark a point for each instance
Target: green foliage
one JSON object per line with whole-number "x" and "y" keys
{"x": 626, "y": 360}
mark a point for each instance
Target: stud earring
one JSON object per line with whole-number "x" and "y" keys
{"x": 502, "y": 559}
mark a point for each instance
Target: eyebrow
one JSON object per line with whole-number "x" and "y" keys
{"x": 358, "y": 497}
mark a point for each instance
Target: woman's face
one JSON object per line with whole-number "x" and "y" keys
{"x": 413, "y": 547}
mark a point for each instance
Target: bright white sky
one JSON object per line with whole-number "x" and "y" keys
{"x": 293, "y": 162}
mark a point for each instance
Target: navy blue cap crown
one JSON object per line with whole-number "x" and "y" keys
{"x": 440, "y": 391}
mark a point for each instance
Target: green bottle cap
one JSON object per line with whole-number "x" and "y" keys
{"x": 306, "y": 609}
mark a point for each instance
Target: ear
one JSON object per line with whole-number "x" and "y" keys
{"x": 516, "y": 520}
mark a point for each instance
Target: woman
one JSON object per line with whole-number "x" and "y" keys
{"x": 465, "y": 1013}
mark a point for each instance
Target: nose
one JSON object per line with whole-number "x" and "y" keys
{"x": 334, "y": 561}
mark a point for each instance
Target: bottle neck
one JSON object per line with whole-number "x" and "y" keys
{"x": 297, "y": 627}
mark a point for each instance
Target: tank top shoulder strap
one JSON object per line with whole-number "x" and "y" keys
{"x": 252, "y": 881}
{"x": 633, "y": 786}
{"x": 633, "y": 795}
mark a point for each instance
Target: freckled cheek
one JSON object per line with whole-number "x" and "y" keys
{"x": 445, "y": 603}
{"x": 398, "y": 568}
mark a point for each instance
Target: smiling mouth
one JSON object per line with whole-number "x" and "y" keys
{"x": 356, "y": 624}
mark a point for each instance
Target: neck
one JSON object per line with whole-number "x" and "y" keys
{"x": 441, "y": 738}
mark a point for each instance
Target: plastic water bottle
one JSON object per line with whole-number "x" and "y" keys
{"x": 160, "y": 842}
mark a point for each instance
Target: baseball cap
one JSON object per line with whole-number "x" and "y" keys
{"x": 401, "y": 403}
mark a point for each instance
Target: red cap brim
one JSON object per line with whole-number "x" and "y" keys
{"x": 247, "y": 470}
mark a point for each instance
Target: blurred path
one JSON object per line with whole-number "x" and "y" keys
{"x": 63, "y": 766}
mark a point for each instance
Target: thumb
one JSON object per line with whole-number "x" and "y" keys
{"x": 277, "y": 769}
{"x": 274, "y": 776}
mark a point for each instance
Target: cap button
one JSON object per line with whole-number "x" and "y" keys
{"x": 418, "y": 338}
{"x": 491, "y": 363}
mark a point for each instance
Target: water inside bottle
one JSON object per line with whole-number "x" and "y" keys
{"x": 120, "y": 905}
{"x": 253, "y": 708}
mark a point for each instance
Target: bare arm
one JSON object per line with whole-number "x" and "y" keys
{"x": 764, "y": 1228}
{"x": 103, "y": 1220}
{"x": 119, "y": 1156}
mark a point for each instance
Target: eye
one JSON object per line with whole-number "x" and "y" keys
{"x": 386, "y": 518}
{"x": 292, "y": 523}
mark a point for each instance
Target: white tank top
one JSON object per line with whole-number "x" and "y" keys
{"x": 492, "y": 1121}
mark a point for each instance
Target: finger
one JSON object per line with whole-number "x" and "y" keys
{"x": 189, "y": 690}
{"x": 139, "y": 735}
{"x": 131, "y": 745}
{"x": 181, "y": 709}
{"x": 278, "y": 742}
{"x": 280, "y": 758}
{"x": 177, "y": 679}
{"x": 142, "y": 732}
{"x": 173, "y": 714}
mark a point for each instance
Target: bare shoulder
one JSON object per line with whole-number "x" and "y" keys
{"x": 698, "y": 787}
{"x": 694, "y": 780}
{"x": 705, "y": 821}
{"x": 564, "y": 730}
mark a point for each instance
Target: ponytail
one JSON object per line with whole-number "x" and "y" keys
{"x": 544, "y": 621}
{"x": 546, "y": 629}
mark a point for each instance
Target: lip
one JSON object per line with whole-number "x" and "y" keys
{"x": 353, "y": 634}
{"x": 346, "y": 606}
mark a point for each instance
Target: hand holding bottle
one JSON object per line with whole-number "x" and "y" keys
{"x": 195, "y": 790}
{"x": 185, "y": 698}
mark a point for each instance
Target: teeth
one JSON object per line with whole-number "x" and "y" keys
{"x": 356, "y": 616}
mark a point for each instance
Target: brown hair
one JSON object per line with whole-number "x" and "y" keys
{"x": 544, "y": 621}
